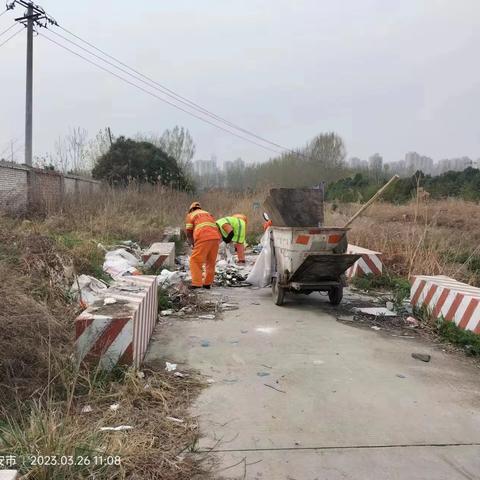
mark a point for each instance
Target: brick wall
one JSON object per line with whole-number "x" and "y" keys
{"x": 23, "y": 188}
{"x": 13, "y": 188}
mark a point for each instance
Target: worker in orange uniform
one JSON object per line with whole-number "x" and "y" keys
{"x": 203, "y": 235}
{"x": 234, "y": 229}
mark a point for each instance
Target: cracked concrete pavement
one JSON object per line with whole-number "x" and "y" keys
{"x": 298, "y": 395}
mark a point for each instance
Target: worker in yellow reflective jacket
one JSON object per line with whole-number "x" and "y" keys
{"x": 234, "y": 229}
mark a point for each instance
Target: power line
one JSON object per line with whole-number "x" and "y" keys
{"x": 156, "y": 96}
{"x": 10, "y": 37}
{"x": 173, "y": 94}
{"x": 9, "y": 28}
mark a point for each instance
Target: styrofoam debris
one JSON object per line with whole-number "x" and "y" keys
{"x": 374, "y": 327}
{"x": 377, "y": 311}
{"x": 114, "y": 407}
{"x": 206, "y": 317}
{"x": 166, "y": 313}
{"x": 181, "y": 375}
{"x": 210, "y": 380}
{"x": 109, "y": 301}
{"x": 170, "y": 367}
{"x": 116, "y": 429}
{"x": 87, "y": 409}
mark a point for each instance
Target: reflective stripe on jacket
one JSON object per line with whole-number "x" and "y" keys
{"x": 239, "y": 228}
{"x": 203, "y": 225}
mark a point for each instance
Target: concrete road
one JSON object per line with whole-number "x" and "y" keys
{"x": 298, "y": 395}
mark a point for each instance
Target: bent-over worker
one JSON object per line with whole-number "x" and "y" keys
{"x": 234, "y": 229}
{"x": 203, "y": 235}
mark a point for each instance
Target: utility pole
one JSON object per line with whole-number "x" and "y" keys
{"x": 29, "y": 89}
{"x": 35, "y": 16}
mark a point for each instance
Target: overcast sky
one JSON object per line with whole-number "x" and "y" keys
{"x": 388, "y": 76}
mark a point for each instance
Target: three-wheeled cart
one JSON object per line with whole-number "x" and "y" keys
{"x": 309, "y": 259}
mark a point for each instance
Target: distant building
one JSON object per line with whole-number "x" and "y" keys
{"x": 455, "y": 164}
{"x": 356, "y": 163}
{"x": 375, "y": 162}
{"x": 414, "y": 161}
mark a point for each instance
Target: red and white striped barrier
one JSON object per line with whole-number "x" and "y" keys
{"x": 446, "y": 298}
{"x": 160, "y": 254}
{"x": 116, "y": 329}
{"x": 370, "y": 262}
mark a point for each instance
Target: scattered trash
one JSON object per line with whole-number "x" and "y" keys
{"x": 109, "y": 301}
{"x": 234, "y": 342}
{"x": 87, "y": 289}
{"x": 206, "y": 317}
{"x": 119, "y": 262}
{"x": 173, "y": 419}
{"x": 228, "y": 380}
{"x": 87, "y": 409}
{"x": 140, "y": 374}
{"x": 243, "y": 331}
{"x": 274, "y": 388}
{"x": 229, "y": 275}
{"x": 266, "y": 366}
{"x": 349, "y": 318}
{"x": 263, "y": 374}
{"x": 255, "y": 303}
{"x": 389, "y": 305}
{"x": 424, "y": 357}
{"x": 399, "y": 375}
{"x": 114, "y": 407}
{"x": 374, "y": 327}
{"x": 229, "y": 306}
{"x": 116, "y": 429}
{"x": 318, "y": 362}
{"x": 265, "y": 329}
{"x": 181, "y": 375}
{"x": 412, "y": 321}
{"x": 170, "y": 367}
{"x": 376, "y": 311}
{"x": 205, "y": 343}
{"x": 166, "y": 313}
{"x": 210, "y": 380}
{"x": 167, "y": 278}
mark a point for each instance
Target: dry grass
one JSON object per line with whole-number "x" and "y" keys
{"x": 429, "y": 238}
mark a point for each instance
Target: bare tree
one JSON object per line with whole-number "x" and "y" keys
{"x": 179, "y": 144}
{"x": 70, "y": 155}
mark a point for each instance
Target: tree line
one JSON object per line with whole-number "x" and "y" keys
{"x": 360, "y": 187}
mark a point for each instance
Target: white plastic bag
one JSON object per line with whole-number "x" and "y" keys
{"x": 261, "y": 273}
{"x": 167, "y": 278}
{"x": 120, "y": 262}
{"x": 87, "y": 289}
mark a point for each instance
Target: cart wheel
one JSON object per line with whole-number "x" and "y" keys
{"x": 278, "y": 293}
{"x": 335, "y": 295}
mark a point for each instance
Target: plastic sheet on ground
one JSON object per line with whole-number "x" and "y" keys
{"x": 119, "y": 262}
{"x": 168, "y": 278}
{"x": 88, "y": 289}
{"x": 261, "y": 273}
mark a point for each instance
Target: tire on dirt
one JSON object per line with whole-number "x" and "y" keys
{"x": 278, "y": 293}
{"x": 335, "y": 295}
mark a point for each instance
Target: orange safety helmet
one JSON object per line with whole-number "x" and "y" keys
{"x": 194, "y": 206}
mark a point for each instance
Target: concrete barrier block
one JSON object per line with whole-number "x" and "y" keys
{"x": 116, "y": 328}
{"x": 446, "y": 298}
{"x": 160, "y": 255}
{"x": 370, "y": 262}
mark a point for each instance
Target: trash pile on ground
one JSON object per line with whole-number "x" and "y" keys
{"x": 228, "y": 275}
